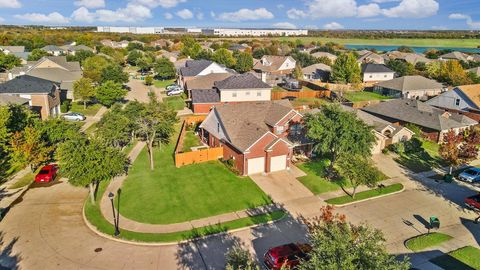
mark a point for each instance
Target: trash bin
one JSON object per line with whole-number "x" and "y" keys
{"x": 448, "y": 178}
{"x": 434, "y": 222}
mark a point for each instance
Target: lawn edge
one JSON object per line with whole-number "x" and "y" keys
{"x": 141, "y": 243}
{"x": 427, "y": 248}
{"x": 367, "y": 199}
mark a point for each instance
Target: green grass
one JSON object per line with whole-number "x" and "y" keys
{"x": 176, "y": 102}
{"x": 23, "y": 181}
{"x": 366, "y": 194}
{"x": 364, "y": 96}
{"x": 95, "y": 217}
{"x": 91, "y": 110}
{"x": 171, "y": 195}
{"x": 464, "y": 258}
{"x": 315, "y": 179}
{"x": 315, "y": 102}
{"x": 91, "y": 129}
{"x": 190, "y": 140}
{"x": 424, "y": 159}
{"x": 163, "y": 84}
{"x": 424, "y": 241}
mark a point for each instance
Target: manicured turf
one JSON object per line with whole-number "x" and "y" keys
{"x": 364, "y": 96}
{"x": 465, "y": 258}
{"x": 176, "y": 102}
{"x": 315, "y": 179}
{"x": 190, "y": 140}
{"x": 23, "y": 181}
{"x": 91, "y": 110}
{"x": 366, "y": 194}
{"x": 95, "y": 217}
{"x": 163, "y": 84}
{"x": 170, "y": 195}
{"x": 425, "y": 159}
{"x": 424, "y": 241}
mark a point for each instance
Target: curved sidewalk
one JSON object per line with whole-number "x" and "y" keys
{"x": 131, "y": 225}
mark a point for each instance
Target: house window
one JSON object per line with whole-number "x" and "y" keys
{"x": 234, "y": 94}
{"x": 280, "y": 129}
{"x": 247, "y": 93}
{"x": 385, "y": 76}
{"x": 457, "y": 102}
{"x": 371, "y": 76}
{"x": 259, "y": 94}
{"x": 218, "y": 127}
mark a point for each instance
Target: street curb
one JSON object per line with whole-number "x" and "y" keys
{"x": 369, "y": 199}
{"x": 159, "y": 244}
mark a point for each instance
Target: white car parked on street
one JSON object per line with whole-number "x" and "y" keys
{"x": 72, "y": 116}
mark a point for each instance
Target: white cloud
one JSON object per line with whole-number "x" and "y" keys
{"x": 317, "y": 9}
{"x": 333, "y": 26}
{"x": 284, "y": 25}
{"x": 200, "y": 16}
{"x": 370, "y": 10}
{"x": 90, "y": 3}
{"x": 439, "y": 28}
{"x": 384, "y": 1}
{"x": 131, "y": 13}
{"x": 212, "y": 14}
{"x": 2, "y": 19}
{"x": 185, "y": 14}
{"x": 468, "y": 19}
{"x": 296, "y": 14}
{"x": 413, "y": 9}
{"x": 168, "y": 16}
{"x": 51, "y": 18}
{"x": 161, "y": 3}
{"x": 245, "y": 14}
{"x": 10, "y": 4}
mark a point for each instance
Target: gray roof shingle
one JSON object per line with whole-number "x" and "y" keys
{"x": 376, "y": 68}
{"x": 26, "y": 84}
{"x": 194, "y": 67}
{"x": 241, "y": 81}
{"x": 205, "y": 96}
{"x": 410, "y": 83}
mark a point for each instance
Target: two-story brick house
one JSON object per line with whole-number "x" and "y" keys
{"x": 255, "y": 135}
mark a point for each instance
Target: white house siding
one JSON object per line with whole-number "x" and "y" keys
{"x": 422, "y": 94}
{"x": 378, "y": 77}
{"x": 241, "y": 95}
{"x": 288, "y": 64}
{"x": 213, "y": 68}
{"x": 453, "y": 99}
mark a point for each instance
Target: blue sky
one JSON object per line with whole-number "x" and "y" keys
{"x": 321, "y": 14}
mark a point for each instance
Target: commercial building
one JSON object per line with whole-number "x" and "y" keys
{"x": 131, "y": 30}
{"x": 224, "y": 32}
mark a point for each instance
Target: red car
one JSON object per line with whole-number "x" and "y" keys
{"x": 287, "y": 255}
{"x": 47, "y": 174}
{"x": 473, "y": 202}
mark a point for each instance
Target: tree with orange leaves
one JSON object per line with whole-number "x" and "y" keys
{"x": 338, "y": 244}
{"x": 28, "y": 148}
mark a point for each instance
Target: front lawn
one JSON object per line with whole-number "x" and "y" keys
{"x": 359, "y": 96}
{"x": 365, "y": 194}
{"x": 424, "y": 241}
{"x": 163, "y": 83}
{"x": 423, "y": 158}
{"x": 464, "y": 258}
{"x": 176, "y": 102}
{"x": 315, "y": 179}
{"x": 91, "y": 110}
{"x": 171, "y": 195}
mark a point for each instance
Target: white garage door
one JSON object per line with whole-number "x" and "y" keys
{"x": 256, "y": 165}
{"x": 278, "y": 163}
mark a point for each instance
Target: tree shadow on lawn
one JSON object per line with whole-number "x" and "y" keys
{"x": 419, "y": 161}
{"x": 437, "y": 257}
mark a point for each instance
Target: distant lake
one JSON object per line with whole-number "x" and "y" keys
{"x": 416, "y": 49}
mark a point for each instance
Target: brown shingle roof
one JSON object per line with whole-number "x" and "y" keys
{"x": 275, "y": 62}
{"x": 472, "y": 92}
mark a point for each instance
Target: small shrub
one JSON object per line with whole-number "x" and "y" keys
{"x": 230, "y": 164}
{"x": 398, "y": 148}
{"x": 413, "y": 146}
{"x": 65, "y": 106}
{"x": 385, "y": 150}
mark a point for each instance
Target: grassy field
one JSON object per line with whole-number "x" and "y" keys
{"x": 460, "y": 43}
{"x": 170, "y": 195}
{"x": 464, "y": 258}
{"x": 91, "y": 110}
{"x": 163, "y": 84}
{"x": 364, "y": 96}
{"x": 95, "y": 217}
{"x": 175, "y": 102}
{"x": 366, "y": 194}
{"x": 424, "y": 241}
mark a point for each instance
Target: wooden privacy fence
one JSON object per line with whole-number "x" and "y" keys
{"x": 197, "y": 156}
{"x": 301, "y": 94}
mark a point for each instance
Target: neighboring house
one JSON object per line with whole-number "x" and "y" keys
{"x": 317, "y": 72}
{"x": 274, "y": 68}
{"x": 412, "y": 58}
{"x": 475, "y": 70}
{"x": 195, "y": 68}
{"x": 234, "y": 89}
{"x": 376, "y": 73}
{"x": 72, "y": 49}
{"x": 456, "y": 56}
{"x": 6, "y": 99}
{"x": 386, "y": 133}
{"x": 54, "y": 50}
{"x": 172, "y": 56}
{"x": 476, "y": 57}
{"x": 255, "y": 135}
{"x": 12, "y": 49}
{"x": 114, "y": 44}
{"x": 43, "y": 95}
{"x": 161, "y": 43}
{"x": 371, "y": 58}
{"x": 52, "y": 68}
{"x": 461, "y": 99}
{"x": 239, "y": 47}
{"x": 433, "y": 122}
{"x": 415, "y": 87}
{"x": 331, "y": 57}
{"x": 205, "y": 82}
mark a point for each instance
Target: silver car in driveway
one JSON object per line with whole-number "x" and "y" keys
{"x": 74, "y": 117}
{"x": 470, "y": 175}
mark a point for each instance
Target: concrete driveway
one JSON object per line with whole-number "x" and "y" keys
{"x": 139, "y": 91}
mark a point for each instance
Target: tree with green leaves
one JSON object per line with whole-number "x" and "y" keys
{"x": 80, "y": 56}
{"x": 9, "y": 61}
{"x": 110, "y": 92}
{"x": 94, "y": 66}
{"x": 244, "y": 62}
{"x": 55, "y": 131}
{"x": 148, "y": 80}
{"x": 88, "y": 162}
{"x": 357, "y": 170}
{"x": 115, "y": 73}
{"x": 401, "y": 67}
{"x": 83, "y": 89}
{"x": 114, "y": 128}
{"x": 338, "y": 244}
{"x": 164, "y": 68}
{"x": 224, "y": 57}
{"x": 191, "y": 48}
{"x": 36, "y": 54}
{"x": 156, "y": 125}
{"x": 346, "y": 69}
{"x": 134, "y": 46}
{"x": 336, "y": 132}
{"x": 239, "y": 258}
{"x": 144, "y": 63}
{"x": 5, "y": 133}
{"x": 133, "y": 56}
{"x": 297, "y": 72}
{"x": 28, "y": 148}
{"x": 205, "y": 54}
{"x": 303, "y": 59}
{"x": 452, "y": 73}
